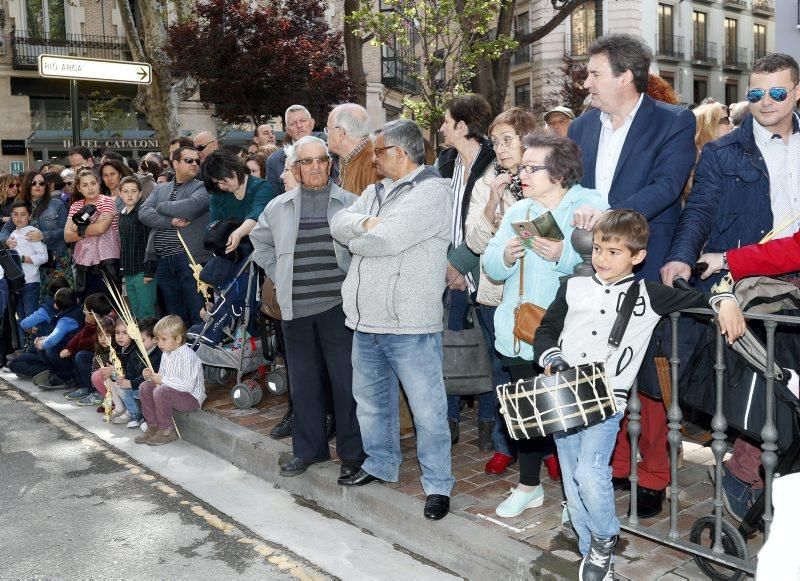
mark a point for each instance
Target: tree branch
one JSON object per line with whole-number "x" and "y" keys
{"x": 561, "y": 15}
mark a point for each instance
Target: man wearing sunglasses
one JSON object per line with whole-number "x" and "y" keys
{"x": 747, "y": 182}
{"x": 205, "y": 143}
{"x": 178, "y": 206}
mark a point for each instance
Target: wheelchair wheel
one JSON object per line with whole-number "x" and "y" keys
{"x": 219, "y": 376}
{"x": 733, "y": 544}
{"x": 277, "y": 382}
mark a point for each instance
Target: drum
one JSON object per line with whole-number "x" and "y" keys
{"x": 547, "y": 404}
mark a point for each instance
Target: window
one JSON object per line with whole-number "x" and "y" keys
{"x": 759, "y": 41}
{"x": 701, "y": 52}
{"x": 731, "y": 92}
{"x": 582, "y": 30}
{"x": 669, "y": 77}
{"x": 666, "y": 26}
{"x": 45, "y": 19}
{"x": 731, "y": 40}
{"x": 522, "y": 95}
{"x": 522, "y": 25}
{"x": 700, "y": 89}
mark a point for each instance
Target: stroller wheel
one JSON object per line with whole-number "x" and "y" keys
{"x": 732, "y": 542}
{"x": 217, "y": 375}
{"x": 277, "y": 383}
{"x": 246, "y": 395}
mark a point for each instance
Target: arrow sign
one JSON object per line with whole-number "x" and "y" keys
{"x": 67, "y": 67}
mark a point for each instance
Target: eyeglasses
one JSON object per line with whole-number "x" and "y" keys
{"x": 191, "y": 160}
{"x": 68, "y": 183}
{"x": 381, "y": 150}
{"x": 775, "y": 93}
{"x": 506, "y": 141}
{"x": 13, "y": 186}
{"x": 202, "y": 147}
{"x": 328, "y": 132}
{"x": 309, "y": 160}
{"x": 531, "y": 169}
{"x": 38, "y": 183}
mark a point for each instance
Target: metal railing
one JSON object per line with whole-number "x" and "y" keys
{"x": 735, "y": 57}
{"x": 395, "y": 76}
{"x": 740, "y": 4}
{"x": 766, "y": 7}
{"x": 769, "y": 437}
{"x": 669, "y": 45}
{"x": 27, "y": 46}
{"x": 704, "y": 52}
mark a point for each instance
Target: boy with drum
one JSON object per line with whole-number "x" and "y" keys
{"x": 575, "y": 331}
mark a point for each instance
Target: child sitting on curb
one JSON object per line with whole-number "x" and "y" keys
{"x": 178, "y": 385}
{"x": 127, "y": 387}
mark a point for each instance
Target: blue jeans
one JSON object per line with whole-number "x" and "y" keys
{"x": 500, "y": 438}
{"x": 416, "y": 360}
{"x": 62, "y": 368}
{"x": 82, "y": 368}
{"x": 176, "y": 281}
{"x": 585, "y": 458}
{"x": 27, "y": 303}
{"x": 128, "y": 398}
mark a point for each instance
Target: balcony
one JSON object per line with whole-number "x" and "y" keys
{"x": 735, "y": 4}
{"x": 735, "y": 58}
{"x": 577, "y": 45}
{"x": 522, "y": 55}
{"x": 395, "y": 76}
{"x": 26, "y": 47}
{"x": 764, "y": 7}
{"x": 669, "y": 46}
{"x": 704, "y": 53}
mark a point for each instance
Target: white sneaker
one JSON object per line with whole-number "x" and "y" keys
{"x": 143, "y": 426}
{"x": 519, "y": 501}
{"x": 134, "y": 423}
{"x": 121, "y": 418}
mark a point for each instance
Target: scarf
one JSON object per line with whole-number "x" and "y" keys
{"x": 514, "y": 186}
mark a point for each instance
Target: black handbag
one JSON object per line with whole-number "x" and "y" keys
{"x": 466, "y": 367}
{"x": 12, "y": 269}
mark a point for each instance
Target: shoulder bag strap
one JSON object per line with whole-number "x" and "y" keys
{"x": 624, "y": 316}
{"x": 522, "y": 269}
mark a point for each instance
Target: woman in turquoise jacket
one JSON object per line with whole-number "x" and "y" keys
{"x": 550, "y": 173}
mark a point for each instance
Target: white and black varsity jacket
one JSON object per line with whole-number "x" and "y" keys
{"x": 579, "y": 320}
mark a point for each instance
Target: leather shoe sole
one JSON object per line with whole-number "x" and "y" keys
{"x": 437, "y": 506}
{"x": 360, "y": 478}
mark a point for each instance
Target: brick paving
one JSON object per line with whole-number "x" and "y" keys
{"x": 476, "y": 495}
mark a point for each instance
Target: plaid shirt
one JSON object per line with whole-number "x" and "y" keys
{"x": 133, "y": 235}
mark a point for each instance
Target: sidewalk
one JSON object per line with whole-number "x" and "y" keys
{"x": 476, "y": 495}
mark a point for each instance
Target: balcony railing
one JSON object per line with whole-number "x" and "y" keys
{"x": 736, "y": 58}
{"x": 577, "y": 45}
{"x": 26, "y": 47}
{"x": 704, "y": 53}
{"x": 522, "y": 55}
{"x": 735, "y": 4}
{"x": 394, "y": 76}
{"x": 669, "y": 46}
{"x": 764, "y": 7}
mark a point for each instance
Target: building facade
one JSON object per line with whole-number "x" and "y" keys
{"x": 703, "y": 48}
{"x": 787, "y": 27}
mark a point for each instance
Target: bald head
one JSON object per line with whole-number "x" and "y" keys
{"x": 205, "y": 143}
{"x": 348, "y": 127}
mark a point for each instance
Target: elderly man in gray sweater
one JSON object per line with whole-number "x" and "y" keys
{"x": 399, "y": 235}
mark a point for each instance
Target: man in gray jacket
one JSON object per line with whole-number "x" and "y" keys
{"x": 178, "y": 206}
{"x": 399, "y": 235}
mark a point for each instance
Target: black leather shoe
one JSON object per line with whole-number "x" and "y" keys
{"x": 485, "y": 429}
{"x": 360, "y": 478}
{"x": 648, "y": 502}
{"x": 283, "y": 429}
{"x": 621, "y": 483}
{"x": 348, "y": 469}
{"x": 330, "y": 426}
{"x": 437, "y": 506}
{"x": 455, "y": 431}
{"x": 296, "y": 466}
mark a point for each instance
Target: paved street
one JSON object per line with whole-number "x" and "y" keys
{"x": 72, "y": 506}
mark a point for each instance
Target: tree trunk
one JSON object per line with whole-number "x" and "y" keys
{"x": 160, "y": 99}
{"x": 353, "y": 50}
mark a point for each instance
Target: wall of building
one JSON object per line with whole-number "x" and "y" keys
{"x": 787, "y": 27}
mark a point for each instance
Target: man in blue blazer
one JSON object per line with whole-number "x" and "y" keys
{"x": 638, "y": 153}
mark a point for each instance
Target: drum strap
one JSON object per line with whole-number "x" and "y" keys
{"x": 624, "y": 316}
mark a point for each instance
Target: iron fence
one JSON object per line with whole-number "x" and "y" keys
{"x": 27, "y": 46}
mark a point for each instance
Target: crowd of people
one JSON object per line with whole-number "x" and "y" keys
{"x": 366, "y": 234}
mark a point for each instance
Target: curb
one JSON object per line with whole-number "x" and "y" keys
{"x": 463, "y": 547}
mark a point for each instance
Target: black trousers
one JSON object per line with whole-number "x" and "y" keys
{"x": 319, "y": 348}
{"x": 530, "y": 452}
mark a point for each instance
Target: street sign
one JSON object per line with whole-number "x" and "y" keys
{"x": 16, "y": 167}
{"x": 67, "y": 67}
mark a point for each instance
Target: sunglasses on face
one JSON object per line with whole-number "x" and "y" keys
{"x": 191, "y": 160}
{"x": 775, "y": 93}
{"x": 202, "y": 147}
{"x": 68, "y": 183}
{"x": 38, "y": 183}
{"x": 13, "y": 186}
{"x": 309, "y": 160}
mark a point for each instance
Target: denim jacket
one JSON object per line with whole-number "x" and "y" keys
{"x": 51, "y": 222}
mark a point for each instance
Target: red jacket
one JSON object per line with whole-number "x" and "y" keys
{"x": 768, "y": 259}
{"x": 83, "y": 340}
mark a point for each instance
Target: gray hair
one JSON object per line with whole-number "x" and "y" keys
{"x": 292, "y": 109}
{"x": 307, "y": 140}
{"x": 738, "y": 111}
{"x": 406, "y": 135}
{"x": 67, "y": 173}
{"x": 289, "y": 151}
{"x": 352, "y": 119}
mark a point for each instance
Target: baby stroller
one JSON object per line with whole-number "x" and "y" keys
{"x": 744, "y": 402}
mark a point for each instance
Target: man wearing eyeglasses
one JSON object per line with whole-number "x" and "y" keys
{"x": 298, "y": 123}
{"x": 292, "y": 242}
{"x": 178, "y": 206}
{"x": 205, "y": 143}
{"x": 348, "y": 137}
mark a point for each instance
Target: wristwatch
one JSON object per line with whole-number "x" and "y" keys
{"x": 725, "y": 261}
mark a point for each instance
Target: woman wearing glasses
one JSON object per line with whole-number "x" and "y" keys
{"x": 235, "y": 194}
{"x": 550, "y": 173}
{"x": 9, "y": 188}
